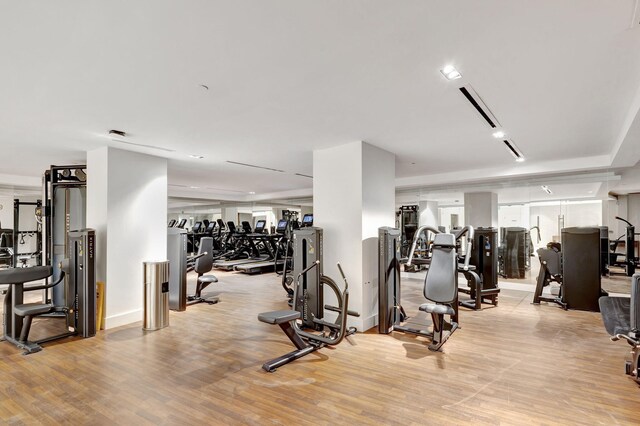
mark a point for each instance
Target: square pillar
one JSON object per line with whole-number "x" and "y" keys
{"x": 127, "y": 206}
{"x": 481, "y": 209}
{"x": 354, "y": 195}
{"x": 428, "y": 213}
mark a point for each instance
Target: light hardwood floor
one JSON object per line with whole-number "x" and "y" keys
{"x": 514, "y": 364}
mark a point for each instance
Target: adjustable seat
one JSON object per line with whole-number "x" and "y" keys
{"x": 203, "y": 265}
{"x": 441, "y": 287}
{"x": 16, "y": 278}
{"x": 621, "y": 317}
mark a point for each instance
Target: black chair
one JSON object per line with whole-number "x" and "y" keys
{"x": 621, "y": 317}
{"x": 18, "y": 317}
{"x": 440, "y": 288}
{"x": 203, "y": 264}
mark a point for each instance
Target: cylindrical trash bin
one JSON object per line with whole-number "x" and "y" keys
{"x": 156, "y": 295}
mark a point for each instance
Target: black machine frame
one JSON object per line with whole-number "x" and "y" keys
{"x": 18, "y": 234}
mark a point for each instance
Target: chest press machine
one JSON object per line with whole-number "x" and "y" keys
{"x": 440, "y": 287}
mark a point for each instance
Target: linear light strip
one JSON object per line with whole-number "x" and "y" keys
{"x": 255, "y": 167}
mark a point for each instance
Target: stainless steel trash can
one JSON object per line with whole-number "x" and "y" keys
{"x": 156, "y": 295}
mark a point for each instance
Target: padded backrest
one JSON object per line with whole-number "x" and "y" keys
{"x": 440, "y": 284}
{"x": 6, "y": 238}
{"x": 635, "y": 303}
{"x": 24, "y": 275}
{"x": 552, "y": 259}
{"x": 205, "y": 263}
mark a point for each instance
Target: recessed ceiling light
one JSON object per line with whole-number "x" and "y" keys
{"x": 499, "y": 134}
{"x": 520, "y": 159}
{"x": 252, "y": 192}
{"x": 199, "y": 157}
{"x": 450, "y": 72}
{"x": 194, "y": 187}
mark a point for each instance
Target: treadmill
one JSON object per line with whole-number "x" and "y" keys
{"x": 229, "y": 265}
{"x": 307, "y": 220}
{"x": 269, "y": 264}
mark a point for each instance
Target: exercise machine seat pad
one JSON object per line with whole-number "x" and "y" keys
{"x": 25, "y": 275}
{"x": 553, "y": 261}
{"x": 207, "y": 279}
{"x": 440, "y": 284}
{"x": 278, "y": 317}
{"x": 616, "y": 314}
{"x": 32, "y": 309}
{"x": 205, "y": 263}
{"x": 432, "y": 308}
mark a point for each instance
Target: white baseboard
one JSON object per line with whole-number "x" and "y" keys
{"x": 124, "y": 318}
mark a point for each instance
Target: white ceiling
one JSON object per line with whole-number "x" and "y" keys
{"x": 287, "y": 77}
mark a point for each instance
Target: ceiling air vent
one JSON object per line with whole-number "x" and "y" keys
{"x": 477, "y": 103}
{"x": 255, "y": 167}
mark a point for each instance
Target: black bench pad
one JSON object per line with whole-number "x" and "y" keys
{"x": 31, "y": 309}
{"x": 616, "y": 314}
{"x": 25, "y": 275}
{"x": 432, "y": 308}
{"x": 278, "y": 317}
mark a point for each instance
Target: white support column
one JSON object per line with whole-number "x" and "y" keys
{"x": 230, "y": 214}
{"x": 428, "y": 213}
{"x": 127, "y": 206}
{"x": 354, "y": 195}
{"x": 481, "y": 209}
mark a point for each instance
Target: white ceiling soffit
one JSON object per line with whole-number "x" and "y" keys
{"x": 280, "y": 85}
{"x": 513, "y": 194}
{"x": 585, "y": 185}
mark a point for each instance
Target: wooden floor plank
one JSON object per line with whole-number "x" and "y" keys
{"x": 514, "y": 364}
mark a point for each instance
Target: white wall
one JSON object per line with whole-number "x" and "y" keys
{"x": 515, "y": 215}
{"x": 633, "y": 210}
{"x": 132, "y": 188}
{"x": 6, "y": 213}
{"x": 575, "y": 214}
{"x": 444, "y": 216}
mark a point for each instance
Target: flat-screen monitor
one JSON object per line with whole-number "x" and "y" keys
{"x": 231, "y": 226}
{"x": 210, "y": 227}
{"x": 259, "y": 228}
{"x": 182, "y": 223}
{"x": 307, "y": 220}
{"x": 282, "y": 226}
{"x": 221, "y": 224}
{"x": 246, "y": 226}
{"x": 197, "y": 226}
